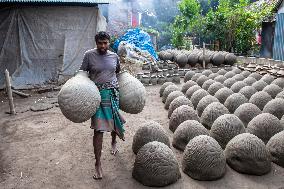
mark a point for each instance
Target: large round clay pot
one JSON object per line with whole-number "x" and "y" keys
{"x": 192, "y": 59}
{"x": 218, "y": 59}
{"x": 230, "y": 59}
{"x": 79, "y": 98}
{"x": 132, "y": 93}
{"x": 182, "y": 60}
{"x": 168, "y": 56}
{"x": 207, "y": 59}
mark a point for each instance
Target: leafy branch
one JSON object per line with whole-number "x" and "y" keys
{"x": 233, "y": 23}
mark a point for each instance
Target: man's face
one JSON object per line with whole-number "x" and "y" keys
{"x": 102, "y": 45}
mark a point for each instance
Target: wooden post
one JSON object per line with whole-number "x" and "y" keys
{"x": 9, "y": 91}
{"x": 203, "y": 55}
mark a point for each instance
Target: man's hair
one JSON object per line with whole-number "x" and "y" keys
{"x": 102, "y": 35}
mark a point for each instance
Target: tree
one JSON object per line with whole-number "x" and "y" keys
{"x": 189, "y": 8}
{"x": 190, "y": 12}
{"x": 164, "y": 13}
{"x": 233, "y": 23}
{"x": 165, "y": 10}
{"x": 207, "y": 5}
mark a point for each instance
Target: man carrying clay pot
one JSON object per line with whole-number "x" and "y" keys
{"x": 103, "y": 67}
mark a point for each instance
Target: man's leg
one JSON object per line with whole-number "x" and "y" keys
{"x": 97, "y": 143}
{"x": 113, "y": 143}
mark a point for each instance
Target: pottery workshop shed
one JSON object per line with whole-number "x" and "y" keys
{"x": 42, "y": 41}
{"x": 272, "y": 35}
{"x": 278, "y": 47}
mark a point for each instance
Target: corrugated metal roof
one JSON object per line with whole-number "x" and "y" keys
{"x": 275, "y": 6}
{"x": 259, "y": 3}
{"x": 278, "y": 4}
{"x": 58, "y": 1}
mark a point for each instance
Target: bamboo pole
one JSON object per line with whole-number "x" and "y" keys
{"x": 203, "y": 55}
{"x": 21, "y": 93}
{"x": 9, "y": 90}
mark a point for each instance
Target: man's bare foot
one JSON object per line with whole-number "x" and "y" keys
{"x": 98, "y": 175}
{"x": 114, "y": 149}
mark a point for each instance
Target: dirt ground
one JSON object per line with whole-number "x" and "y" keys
{"x": 45, "y": 150}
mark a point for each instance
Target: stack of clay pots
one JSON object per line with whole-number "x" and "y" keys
{"x": 168, "y": 72}
{"x": 263, "y": 69}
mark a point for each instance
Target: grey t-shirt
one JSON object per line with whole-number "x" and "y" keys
{"x": 102, "y": 68}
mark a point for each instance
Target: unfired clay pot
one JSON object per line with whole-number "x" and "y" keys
{"x": 79, "y": 98}
{"x": 132, "y": 93}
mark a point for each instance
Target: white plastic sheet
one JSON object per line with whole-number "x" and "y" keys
{"x": 39, "y": 43}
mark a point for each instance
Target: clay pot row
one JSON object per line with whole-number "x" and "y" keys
{"x": 194, "y": 57}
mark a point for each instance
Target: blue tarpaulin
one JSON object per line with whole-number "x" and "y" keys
{"x": 139, "y": 39}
